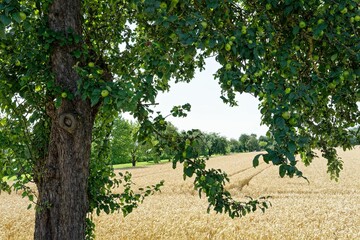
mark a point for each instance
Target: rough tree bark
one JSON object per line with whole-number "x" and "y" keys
{"x": 62, "y": 182}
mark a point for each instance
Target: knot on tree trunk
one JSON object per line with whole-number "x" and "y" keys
{"x": 68, "y": 122}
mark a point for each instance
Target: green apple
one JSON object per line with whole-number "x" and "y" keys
{"x": 332, "y": 85}
{"x": 243, "y": 29}
{"x": 320, "y": 21}
{"x": 63, "y": 94}
{"x": 133, "y": 6}
{"x": 227, "y": 47}
{"x": 244, "y": 78}
{"x": 91, "y": 76}
{"x": 174, "y": 37}
{"x": 22, "y": 15}
{"x": 38, "y": 88}
{"x": 100, "y": 71}
{"x": 293, "y": 121}
{"x": 202, "y": 178}
{"x": 17, "y": 63}
{"x": 91, "y": 64}
{"x": 163, "y": 5}
{"x": 286, "y": 115}
{"x": 232, "y": 38}
{"x": 104, "y": 93}
{"x": 3, "y": 45}
{"x": 302, "y": 24}
{"x": 287, "y": 90}
{"x": 228, "y": 66}
{"x": 268, "y": 6}
{"x": 315, "y": 57}
{"x": 357, "y": 18}
{"x": 24, "y": 78}
{"x": 344, "y": 10}
{"x": 204, "y": 24}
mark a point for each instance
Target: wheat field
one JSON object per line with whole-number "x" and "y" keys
{"x": 321, "y": 209}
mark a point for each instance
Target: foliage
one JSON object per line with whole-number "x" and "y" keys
{"x": 300, "y": 58}
{"x": 250, "y": 143}
{"x": 234, "y": 145}
{"x": 355, "y": 139}
{"x": 122, "y": 141}
{"x": 253, "y": 144}
{"x": 103, "y": 180}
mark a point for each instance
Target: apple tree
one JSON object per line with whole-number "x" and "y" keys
{"x": 68, "y": 65}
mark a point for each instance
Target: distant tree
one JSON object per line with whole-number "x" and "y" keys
{"x": 265, "y": 142}
{"x": 355, "y": 139}
{"x": 166, "y": 152}
{"x": 234, "y": 145}
{"x": 126, "y": 147}
{"x": 220, "y": 144}
{"x": 122, "y": 141}
{"x": 243, "y": 139}
{"x": 208, "y": 141}
{"x": 252, "y": 143}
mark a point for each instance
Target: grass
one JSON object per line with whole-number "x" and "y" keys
{"x": 138, "y": 164}
{"x": 116, "y": 166}
{"x": 321, "y": 209}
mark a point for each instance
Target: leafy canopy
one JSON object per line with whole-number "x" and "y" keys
{"x": 299, "y": 58}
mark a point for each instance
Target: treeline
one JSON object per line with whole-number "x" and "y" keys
{"x": 125, "y": 148}
{"x": 355, "y": 138}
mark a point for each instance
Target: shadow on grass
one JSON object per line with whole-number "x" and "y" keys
{"x": 138, "y": 165}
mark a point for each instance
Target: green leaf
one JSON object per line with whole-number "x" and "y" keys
{"x": 334, "y": 57}
{"x": 5, "y": 20}
{"x": 94, "y": 99}
{"x": 296, "y": 30}
{"x": 16, "y": 17}
{"x": 282, "y": 170}
{"x": 2, "y": 31}
{"x": 256, "y": 160}
{"x": 189, "y": 171}
{"x": 77, "y": 53}
{"x": 280, "y": 122}
{"x": 267, "y": 157}
{"x": 291, "y": 147}
{"x": 106, "y": 209}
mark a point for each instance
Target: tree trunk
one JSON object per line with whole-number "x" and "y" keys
{"x": 62, "y": 183}
{"x": 133, "y": 159}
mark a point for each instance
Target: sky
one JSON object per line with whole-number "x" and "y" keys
{"x": 208, "y": 112}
